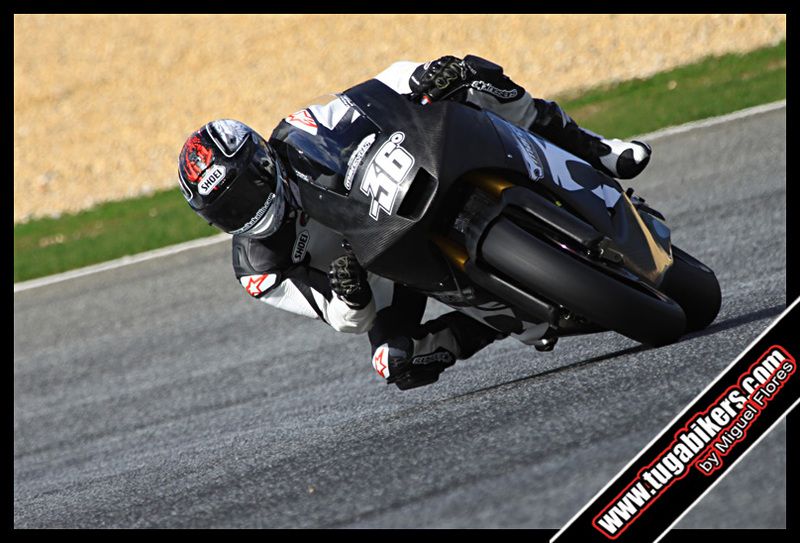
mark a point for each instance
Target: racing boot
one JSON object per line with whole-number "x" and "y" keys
{"x": 398, "y": 365}
{"x": 624, "y": 159}
{"x": 615, "y": 157}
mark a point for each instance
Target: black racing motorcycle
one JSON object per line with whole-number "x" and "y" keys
{"x": 497, "y": 222}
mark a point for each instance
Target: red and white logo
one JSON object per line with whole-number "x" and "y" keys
{"x": 303, "y": 120}
{"x": 195, "y": 158}
{"x": 256, "y": 285}
{"x": 380, "y": 361}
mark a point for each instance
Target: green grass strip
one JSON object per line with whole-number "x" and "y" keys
{"x": 105, "y": 232}
{"x": 711, "y": 87}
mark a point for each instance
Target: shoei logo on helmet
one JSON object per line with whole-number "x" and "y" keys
{"x": 211, "y": 178}
{"x": 195, "y": 158}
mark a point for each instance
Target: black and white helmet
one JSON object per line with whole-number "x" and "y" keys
{"x": 232, "y": 178}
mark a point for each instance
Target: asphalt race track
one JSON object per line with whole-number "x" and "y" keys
{"x": 160, "y": 395}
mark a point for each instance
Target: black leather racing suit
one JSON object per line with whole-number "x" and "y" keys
{"x": 274, "y": 271}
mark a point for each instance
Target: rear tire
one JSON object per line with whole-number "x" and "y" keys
{"x": 695, "y": 287}
{"x": 648, "y": 317}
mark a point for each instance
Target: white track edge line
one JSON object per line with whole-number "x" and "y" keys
{"x": 173, "y": 249}
{"x": 711, "y": 121}
{"x": 119, "y": 262}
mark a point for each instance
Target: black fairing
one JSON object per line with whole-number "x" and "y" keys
{"x": 470, "y": 143}
{"x": 446, "y": 140}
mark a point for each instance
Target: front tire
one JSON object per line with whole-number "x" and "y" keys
{"x": 695, "y": 287}
{"x": 645, "y": 316}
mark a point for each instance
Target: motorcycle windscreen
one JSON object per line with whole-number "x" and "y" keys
{"x": 335, "y": 135}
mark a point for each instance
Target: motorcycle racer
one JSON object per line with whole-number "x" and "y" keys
{"x": 247, "y": 187}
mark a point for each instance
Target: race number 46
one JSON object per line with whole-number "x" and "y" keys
{"x": 384, "y": 174}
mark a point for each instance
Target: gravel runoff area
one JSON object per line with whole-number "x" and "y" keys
{"x": 102, "y": 103}
{"x": 160, "y": 395}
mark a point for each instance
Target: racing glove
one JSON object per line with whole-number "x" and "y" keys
{"x": 438, "y": 79}
{"x": 348, "y": 281}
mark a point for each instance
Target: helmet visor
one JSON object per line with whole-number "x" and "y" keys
{"x": 251, "y": 206}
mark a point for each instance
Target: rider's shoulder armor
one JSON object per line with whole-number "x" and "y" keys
{"x": 261, "y": 264}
